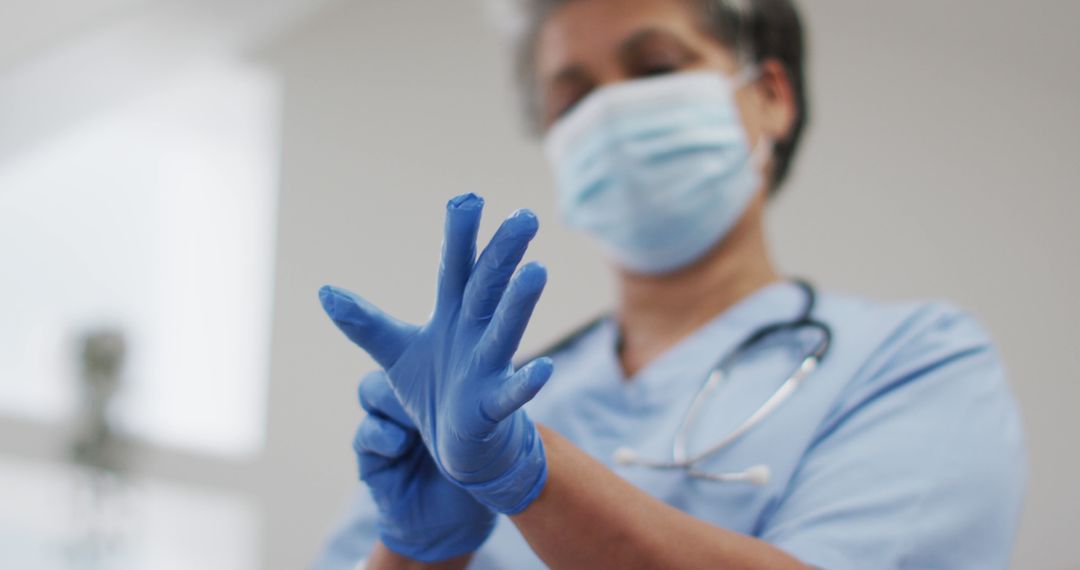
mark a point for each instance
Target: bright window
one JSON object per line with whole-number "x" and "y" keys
{"x": 157, "y": 219}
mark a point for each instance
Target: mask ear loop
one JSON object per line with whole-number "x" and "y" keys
{"x": 746, "y": 75}
{"x": 763, "y": 149}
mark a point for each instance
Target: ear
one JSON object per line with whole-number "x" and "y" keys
{"x": 779, "y": 109}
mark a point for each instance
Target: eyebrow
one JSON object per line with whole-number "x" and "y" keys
{"x": 631, "y": 47}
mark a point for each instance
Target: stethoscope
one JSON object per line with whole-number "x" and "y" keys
{"x": 758, "y": 474}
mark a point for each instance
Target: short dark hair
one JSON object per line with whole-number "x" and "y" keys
{"x": 756, "y": 30}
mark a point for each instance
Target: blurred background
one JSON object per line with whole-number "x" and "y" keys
{"x": 177, "y": 179}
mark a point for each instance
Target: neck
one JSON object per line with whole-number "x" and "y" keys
{"x": 655, "y": 312}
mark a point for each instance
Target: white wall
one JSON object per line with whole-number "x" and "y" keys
{"x": 936, "y": 166}
{"x": 939, "y": 166}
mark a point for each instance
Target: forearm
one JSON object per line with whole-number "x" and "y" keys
{"x": 587, "y": 516}
{"x": 382, "y": 558}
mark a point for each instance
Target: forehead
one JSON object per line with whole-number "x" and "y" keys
{"x": 581, "y": 31}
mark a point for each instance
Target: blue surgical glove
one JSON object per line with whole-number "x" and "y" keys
{"x": 422, "y": 515}
{"x": 453, "y": 375}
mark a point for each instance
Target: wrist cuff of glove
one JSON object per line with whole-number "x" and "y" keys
{"x": 513, "y": 491}
{"x": 440, "y": 545}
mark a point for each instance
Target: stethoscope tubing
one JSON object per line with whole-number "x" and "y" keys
{"x": 781, "y": 395}
{"x": 758, "y": 474}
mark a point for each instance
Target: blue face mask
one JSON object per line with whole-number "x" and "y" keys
{"x": 658, "y": 170}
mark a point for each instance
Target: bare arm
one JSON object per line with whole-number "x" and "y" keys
{"x": 382, "y": 558}
{"x": 588, "y": 517}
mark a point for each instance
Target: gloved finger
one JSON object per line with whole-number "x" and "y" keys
{"x": 503, "y": 335}
{"x": 376, "y": 397}
{"x": 459, "y": 248}
{"x": 383, "y": 437}
{"x": 380, "y": 335}
{"x": 497, "y": 264}
{"x": 371, "y": 465}
{"x": 518, "y": 390}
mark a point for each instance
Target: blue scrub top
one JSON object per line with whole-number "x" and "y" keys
{"x": 904, "y": 449}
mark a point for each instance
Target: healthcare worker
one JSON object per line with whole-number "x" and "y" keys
{"x": 722, "y": 416}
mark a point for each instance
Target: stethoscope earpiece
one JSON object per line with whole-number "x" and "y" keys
{"x": 625, "y": 456}
{"x": 757, "y": 475}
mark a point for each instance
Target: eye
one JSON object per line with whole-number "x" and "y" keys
{"x": 658, "y": 69}
{"x": 564, "y": 100}
{"x": 659, "y": 62}
{"x": 651, "y": 53}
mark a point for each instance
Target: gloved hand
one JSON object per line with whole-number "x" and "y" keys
{"x": 422, "y": 515}
{"x": 453, "y": 375}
